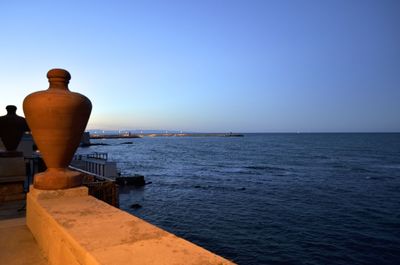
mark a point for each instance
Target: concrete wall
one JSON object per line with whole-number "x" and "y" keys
{"x": 73, "y": 228}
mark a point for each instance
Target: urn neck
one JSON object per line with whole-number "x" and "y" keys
{"x": 58, "y": 79}
{"x": 58, "y": 84}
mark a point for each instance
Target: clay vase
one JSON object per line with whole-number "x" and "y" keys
{"x": 12, "y": 128}
{"x": 57, "y": 118}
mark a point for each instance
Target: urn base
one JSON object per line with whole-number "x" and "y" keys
{"x": 57, "y": 178}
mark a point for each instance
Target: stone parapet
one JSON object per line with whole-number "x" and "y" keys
{"x": 12, "y": 167}
{"x": 74, "y": 228}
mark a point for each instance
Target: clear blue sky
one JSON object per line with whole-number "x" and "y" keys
{"x": 246, "y": 66}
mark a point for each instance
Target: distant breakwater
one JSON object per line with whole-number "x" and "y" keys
{"x": 118, "y": 136}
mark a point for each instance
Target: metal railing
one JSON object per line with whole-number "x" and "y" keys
{"x": 95, "y": 163}
{"x": 100, "y": 187}
{"x": 101, "y": 177}
{"x": 95, "y": 155}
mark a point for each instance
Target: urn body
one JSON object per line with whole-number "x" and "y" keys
{"x": 57, "y": 118}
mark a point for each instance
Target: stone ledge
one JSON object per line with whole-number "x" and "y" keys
{"x": 76, "y": 229}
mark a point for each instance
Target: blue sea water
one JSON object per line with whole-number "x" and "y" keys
{"x": 271, "y": 198}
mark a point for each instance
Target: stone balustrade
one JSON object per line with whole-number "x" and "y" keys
{"x": 73, "y": 228}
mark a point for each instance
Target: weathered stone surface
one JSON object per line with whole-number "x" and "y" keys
{"x": 73, "y": 228}
{"x": 57, "y": 194}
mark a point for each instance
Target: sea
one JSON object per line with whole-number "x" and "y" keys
{"x": 330, "y": 198}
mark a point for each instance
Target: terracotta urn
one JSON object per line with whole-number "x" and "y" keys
{"x": 57, "y": 118}
{"x": 12, "y": 128}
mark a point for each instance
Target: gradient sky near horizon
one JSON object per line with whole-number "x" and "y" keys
{"x": 212, "y": 65}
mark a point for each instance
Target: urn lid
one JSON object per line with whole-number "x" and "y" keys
{"x": 58, "y": 75}
{"x": 11, "y": 109}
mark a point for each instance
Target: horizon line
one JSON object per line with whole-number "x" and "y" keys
{"x": 160, "y": 131}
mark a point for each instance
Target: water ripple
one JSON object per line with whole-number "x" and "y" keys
{"x": 272, "y": 198}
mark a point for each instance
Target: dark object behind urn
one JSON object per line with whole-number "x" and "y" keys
{"x": 12, "y": 128}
